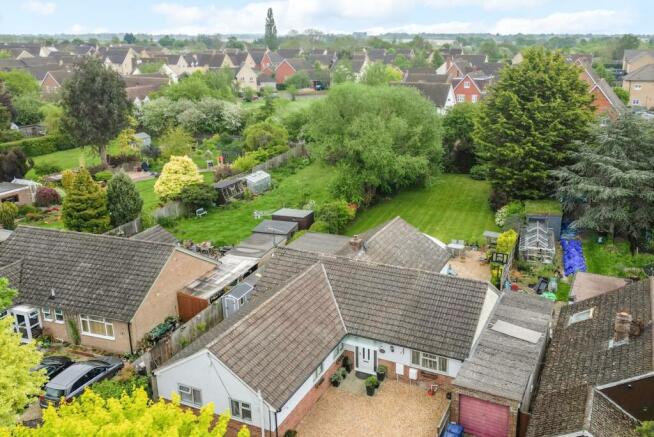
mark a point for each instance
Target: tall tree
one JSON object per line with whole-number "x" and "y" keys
{"x": 529, "y": 123}
{"x": 381, "y": 74}
{"x": 129, "y": 38}
{"x": 19, "y": 385}
{"x": 123, "y": 200}
{"x": 459, "y": 145}
{"x": 610, "y": 187}
{"x": 85, "y": 205}
{"x": 131, "y": 414}
{"x": 95, "y": 106}
{"x": 270, "y": 35}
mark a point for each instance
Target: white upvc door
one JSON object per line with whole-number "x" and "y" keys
{"x": 366, "y": 360}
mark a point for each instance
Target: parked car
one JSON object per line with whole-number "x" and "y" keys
{"x": 54, "y": 365}
{"x": 73, "y": 380}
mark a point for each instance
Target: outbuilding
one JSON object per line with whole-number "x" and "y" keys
{"x": 258, "y": 182}
{"x": 276, "y": 227}
{"x": 303, "y": 217}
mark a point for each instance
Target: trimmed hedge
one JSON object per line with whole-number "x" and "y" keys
{"x": 38, "y": 146}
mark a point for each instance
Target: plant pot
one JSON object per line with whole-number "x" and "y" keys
{"x": 377, "y": 384}
{"x": 381, "y": 376}
{"x": 348, "y": 367}
{"x": 336, "y": 383}
{"x": 370, "y": 390}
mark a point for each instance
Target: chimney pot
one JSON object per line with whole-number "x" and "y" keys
{"x": 622, "y": 326}
{"x": 356, "y": 243}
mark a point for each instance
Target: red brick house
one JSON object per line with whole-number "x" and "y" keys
{"x": 470, "y": 88}
{"x": 287, "y": 68}
{"x": 606, "y": 102}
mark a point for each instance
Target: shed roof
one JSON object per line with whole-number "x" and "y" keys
{"x": 291, "y": 212}
{"x": 276, "y": 227}
{"x": 257, "y": 176}
{"x": 502, "y": 364}
{"x": 7, "y": 187}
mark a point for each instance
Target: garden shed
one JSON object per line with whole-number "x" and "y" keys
{"x": 230, "y": 188}
{"x": 235, "y": 298}
{"x": 537, "y": 243}
{"x": 303, "y": 217}
{"x": 547, "y": 212}
{"x": 258, "y": 182}
{"x": 143, "y": 139}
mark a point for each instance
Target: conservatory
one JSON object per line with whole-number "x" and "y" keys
{"x": 537, "y": 243}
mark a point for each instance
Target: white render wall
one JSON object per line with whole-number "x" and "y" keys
{"x": 400, "y": 354}
{"x": 217, "y": 383}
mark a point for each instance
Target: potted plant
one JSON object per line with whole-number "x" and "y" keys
{"x": 381, "y": 372}
{"x": 336, "y": 379}
{"x": 347, "y": 364}
{"x": 343, "y": 372}
{"x": 371, "y": 385}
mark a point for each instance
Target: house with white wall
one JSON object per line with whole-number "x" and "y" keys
{"x": 268, "y": 364}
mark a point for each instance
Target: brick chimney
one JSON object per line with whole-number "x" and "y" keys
{"x": 356, "y": 243}
{"x": 622, "y": 326}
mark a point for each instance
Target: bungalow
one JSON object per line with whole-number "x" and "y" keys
{"x": 372, "y": 298}
{"x": 53, "y": 81}
{"x": 440, "y": 94}
{"x": 101, "y": 291}
{"x": 599, "y": 370}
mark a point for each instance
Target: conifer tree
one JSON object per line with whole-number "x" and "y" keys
{"x": 270, "y": 36}
{"x": 123, "y": 201}
{"x": 85, "y": 205}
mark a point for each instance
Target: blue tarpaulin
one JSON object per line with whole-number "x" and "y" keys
{"x": 573, "y": 257}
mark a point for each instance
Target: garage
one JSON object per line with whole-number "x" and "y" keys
{"x": 483, "y": 418}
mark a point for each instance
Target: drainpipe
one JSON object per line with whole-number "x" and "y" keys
{"x": 276, "y": 427}
{"x": 129, "y": 335}
{"x": 263, "y": 429}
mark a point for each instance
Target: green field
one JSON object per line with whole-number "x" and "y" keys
{"x": 234, "y": 222}
{"x": 453, "y": 207}
{"x": 612, "y": 258}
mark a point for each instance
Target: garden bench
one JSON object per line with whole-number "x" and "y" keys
{"x": 200, "y": 212}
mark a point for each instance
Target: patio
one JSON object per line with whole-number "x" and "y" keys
{"x": 469, "y": 266}
{"x": 397, "y": 408}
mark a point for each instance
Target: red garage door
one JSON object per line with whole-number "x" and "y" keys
{"x": 483, "y": 418}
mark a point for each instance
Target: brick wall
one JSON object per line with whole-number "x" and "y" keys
{"x": 606, "y": 420}
{"x": 309, "y": 400}
{"x": 425, "y": 379}
{"x": 513, "y": 406}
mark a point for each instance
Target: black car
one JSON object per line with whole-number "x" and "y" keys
{"x": 53, "y": 365}
{"x": 74, "y": 379}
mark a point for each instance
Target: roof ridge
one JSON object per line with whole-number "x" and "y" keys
{"x": 331, "y": 290}
{"x": 88, "y": 234}
{"x": 390, "y": 222}
{"x": 262, "y": 305}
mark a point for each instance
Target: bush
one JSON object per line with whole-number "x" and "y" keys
{"x": 123, "y": 158}
{"x": 178, "y": 173}
{"x": 336, "y": 215}
{"x": 479, "y": 172}
{"x": 506, "y": 241}
{"x": 245, "y": 162}
{"x": 151, "y": 151}
{"x": 319, "y": 226}
{"x": 10, "y": 135}
{"x": 264, "y": 135}
{"x": 221, "y": 172}
{"x": 103, "y": 176}
{"x": 46, "y": 196}
{"x": 14, "y": 164}
{"x": 38, "y": 146}
{"x": 8, "y": 213}
{"x": 67, "y": 179}
{"x": 198, "y": 196}
{"x": 46, "y": 168}
{"x": 511, "y": 215}
{"x": 114, "y": 388}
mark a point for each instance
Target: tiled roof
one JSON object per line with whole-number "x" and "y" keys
{"x": 631, "y": 54}
{"x": 437, "y": 93}
{"x": 580, "y": 358}
{"x": 288, "y": 53}
{"x": 155, "y": 234}
{"x": 644, "y": 73}
{"x": 397, "y": 243}
{"x": 431, "y": 77}
{"x": 503, "y": 365}
{"x": 97, "y": 274}
{"x": 282, "y": 341}
{"x": 316, "y": 242}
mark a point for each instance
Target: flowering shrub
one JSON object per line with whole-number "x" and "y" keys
{"x": 46, "y": 196}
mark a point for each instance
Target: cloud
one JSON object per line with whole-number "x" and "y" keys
{"x": 77, "y": 29}
{"x": 445, "y": 27}
{"x": 488, "y": 5}
{"x": 592, "y": 21}
{"x": 41, "y": 8}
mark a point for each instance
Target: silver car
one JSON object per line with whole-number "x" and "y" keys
{"x": 72, "y": 381}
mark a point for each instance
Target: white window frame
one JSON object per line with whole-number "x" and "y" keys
{"x": 58, "y": 315}
{"x": 424, "y": 358}
{"x": 474, "y": 98}
{"x": 318, "y": 372}
{"x": 581, "y": 316}
{"x": 240, "y": 407}
{"x": 460, "y": 98}
{"x": 194, "y": 395}
{"x": 88, "y": 319}
{"x": 637, "y": 86}
{"x": 466, "y": 84}
{"x": 47, "y": 314}
{"x": 635, "y": 101}
{"x": 338, "y": 350}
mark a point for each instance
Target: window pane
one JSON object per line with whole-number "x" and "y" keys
{"x": 415, "y": 358}
{"x": 110, "y": 329}
{"x": 97, "y": 328}
{"x": 197, "y": 397}
{"x": 85, "y": 326}
{"x": 247, "y": 412}
{"x": 236, "y": 410}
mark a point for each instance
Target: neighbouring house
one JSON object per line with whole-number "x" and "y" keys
{"x": 639, "y": 84}
{"x": 240, "y": 59}
{"x": 20, "y": 194}
{"x": 265, "y": 80}
{"x": 257, "y": 56}
{"x": 53, "y": 81}
{"x": 605, "y": 101}
{"x": 289, "y": 53}
{"x": 586, "y": 285}
{"x": 270, "y": 362}
{"x": 140, "y": 86}
{"x": 375, "y": 55}
{"x": 492, "y": 393}
{"x": 472, "y": 87}
{"x": 156, "y": 234}
{"x": 270, "y": 61}
{"x": 517, "y": 59}
{"x": 246, "y": 77}
{"x": 119, "y": 59}
{"x": 599, "y": 369}
{"x": 440, "y": 94}
{"x": 634, "y": 59}
{"x": 107, "y": 291}
{"x": 288, "y": 67}
{"x": 424, "y": 75}
{"x": 583, "y": 59}
{"x": 214, "y": 61}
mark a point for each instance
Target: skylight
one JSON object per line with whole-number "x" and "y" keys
{"x": 581, "y": 316}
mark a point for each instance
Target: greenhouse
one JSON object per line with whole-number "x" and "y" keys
{"x": 258, "y": 182}
{"x": 537, "y": 243}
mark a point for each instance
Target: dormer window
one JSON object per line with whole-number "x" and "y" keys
{"x": 581, "y": 316}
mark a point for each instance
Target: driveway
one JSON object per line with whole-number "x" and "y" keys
{"x": 396, "y": 409}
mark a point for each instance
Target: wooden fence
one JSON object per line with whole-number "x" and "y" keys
{"x": 189, "y": 306}
{"x": 171, "y": 209}
{"x": 184, "y": 335}
{"x": 128, "y": 229}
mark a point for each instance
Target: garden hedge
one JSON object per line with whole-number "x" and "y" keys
{"x": 38, "y": 146}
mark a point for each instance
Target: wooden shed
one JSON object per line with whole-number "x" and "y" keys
{"x": 303, "y": 217}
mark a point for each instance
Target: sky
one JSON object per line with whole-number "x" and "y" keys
{"x": 333, "y": 16}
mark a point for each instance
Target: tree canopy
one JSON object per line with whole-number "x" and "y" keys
{"x": 95, "y": 105}
{"x": 610, "y": 187}
{"x": 123, "y": 200}
{"x": 19, "y": 82}
{"x": 264, "y": 135}
{"x": 529, "y": 122}
{"x": 176, "y": 142}
{"x": 458, "y": 142}
{"x": 380, "y": 74}
{"x": 178, "y": 173}
{"x": 85, "y": 205}
{"x": 270, "y": 33}
{"x": 382, "y": 139}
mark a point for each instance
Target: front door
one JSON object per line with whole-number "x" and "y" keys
{"x": 366, "y": 360}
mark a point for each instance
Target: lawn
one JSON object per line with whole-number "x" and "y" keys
{"x": 234, "y": 222}
{"x": 71, "y": 158}
{"x": 612, "y": 258}
{"x": 150, "y": 199}
{"x": 453, "y": 207}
